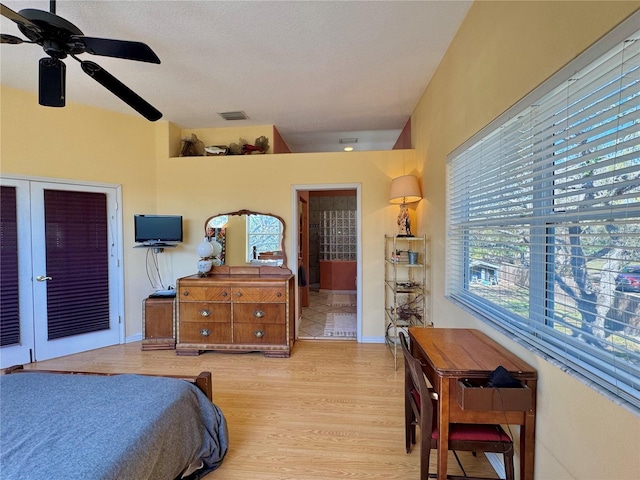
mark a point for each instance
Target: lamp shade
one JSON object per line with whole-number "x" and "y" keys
{"x": 208, "y": 248}
{"x": 205, "y": 249}
{"x": 404, "y": 189}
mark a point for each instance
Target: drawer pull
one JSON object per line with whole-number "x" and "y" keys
{"x": 239, "y": 294}
{"x": 279, "y": 294}
{"x": 258, "y": 313}
{"x": 205, "y": 313}
{"x": 224, "y": 294}
{"x": 259, "y": 333}
{"x": 205, "y": 332}
{"x": 185, "y": 293}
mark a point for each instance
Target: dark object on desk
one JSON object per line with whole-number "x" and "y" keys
{"x": 501, "y": 378}
{"x": 421, "y": 409}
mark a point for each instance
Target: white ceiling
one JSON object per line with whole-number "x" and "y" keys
{"x": 317, "y": 70}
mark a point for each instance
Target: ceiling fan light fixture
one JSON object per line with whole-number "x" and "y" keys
{"x": 52, "y": 82}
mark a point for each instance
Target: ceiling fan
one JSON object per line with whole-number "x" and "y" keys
{"x": 60, "y": 38}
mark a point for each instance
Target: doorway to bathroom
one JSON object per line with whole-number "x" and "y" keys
{"x": 328, "y": 245}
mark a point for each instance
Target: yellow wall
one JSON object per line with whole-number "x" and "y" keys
{"x": 501, "y": 52}
{"x": 83, "y": 143}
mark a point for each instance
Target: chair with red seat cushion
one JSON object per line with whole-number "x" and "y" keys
{"x": 420, "y": 410}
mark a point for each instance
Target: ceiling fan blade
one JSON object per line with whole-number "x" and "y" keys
{"x": 119, "y": 48}
{"x": 16, "y": 17}
{"x": 13, "y": 40}
{"x": 120, "y": 90}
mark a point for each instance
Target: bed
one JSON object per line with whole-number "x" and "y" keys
{"x": 61, "y": 426}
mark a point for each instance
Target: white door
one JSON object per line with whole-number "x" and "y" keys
{"x": 68, "y": 269}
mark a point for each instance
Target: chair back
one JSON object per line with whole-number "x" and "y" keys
{"x": 414, "y": 381}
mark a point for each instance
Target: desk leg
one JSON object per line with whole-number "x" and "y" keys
{"x": 528, "y": 437}
{"x": 527, "y": 446}
{"x": 443, "y": 428}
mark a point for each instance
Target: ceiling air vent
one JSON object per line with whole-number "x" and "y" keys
{"x": 348, "y": 140}
{"x": 234, "y": 115}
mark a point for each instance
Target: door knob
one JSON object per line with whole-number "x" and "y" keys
{"x": 43, "y": 278}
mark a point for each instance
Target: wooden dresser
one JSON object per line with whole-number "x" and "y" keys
{"x": 236, "y": 309}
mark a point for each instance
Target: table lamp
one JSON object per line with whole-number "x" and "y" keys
{"x": 404, "y": 190}
{"x": 207, "y": 249}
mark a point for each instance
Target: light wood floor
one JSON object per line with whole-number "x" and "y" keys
{"x": 332, "y": 410}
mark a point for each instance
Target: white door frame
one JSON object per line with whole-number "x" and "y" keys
{"x": 293, "y": 243}
{"x": 22, "y": 352}
{"x": 27, "y": 266}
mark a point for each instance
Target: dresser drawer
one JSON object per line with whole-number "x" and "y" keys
{"x": 260, "y": 333}
{"x": 209, "y": 294}
{"x": 205, "y": 312}
{"x": 204, "y": 332}
{"x": 242, "y": 309}
{"x": 259, "y": 294}
{"x": 259, "y": 313}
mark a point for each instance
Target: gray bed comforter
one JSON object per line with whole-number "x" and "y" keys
{"x": 125, "y": 427}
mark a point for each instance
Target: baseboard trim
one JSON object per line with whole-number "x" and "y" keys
{"x": 371, "y": 339}
{"x": 134, "y": 338}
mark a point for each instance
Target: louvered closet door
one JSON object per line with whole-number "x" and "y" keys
{"x": 60, "y": 282}
{"x": 73, "y": 247}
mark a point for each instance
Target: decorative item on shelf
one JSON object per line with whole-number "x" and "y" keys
{"x": 216, "y": 150}
{"x": 208, "y": 250}
{"x": 236, "y": 148}
{"x": 261, "y": 145}
{"x": 404, "y": 190}
{"x": 410, "y": 309}
{"x": 192, "y": 147}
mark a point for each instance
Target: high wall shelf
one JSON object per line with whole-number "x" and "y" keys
{"x": 406, "y": 287}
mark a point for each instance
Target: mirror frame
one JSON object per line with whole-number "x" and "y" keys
{"x": 243, "y": 212}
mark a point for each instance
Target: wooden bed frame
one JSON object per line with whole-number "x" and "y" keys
{"x": 202, "y": 380}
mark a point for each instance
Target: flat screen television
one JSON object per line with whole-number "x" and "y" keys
{"x": 157, "y": 229}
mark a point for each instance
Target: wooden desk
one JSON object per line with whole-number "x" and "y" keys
{"x": 450, "y": 355}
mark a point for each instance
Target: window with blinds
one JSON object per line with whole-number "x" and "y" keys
{"x": 544, "y": 218}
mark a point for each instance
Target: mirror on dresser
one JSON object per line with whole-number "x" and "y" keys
{"x": 248, "y": 238}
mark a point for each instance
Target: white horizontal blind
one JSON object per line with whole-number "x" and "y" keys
{"x": 544, "y": 214}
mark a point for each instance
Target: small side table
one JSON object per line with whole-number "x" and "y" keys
{"x": 158, "y": 324}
